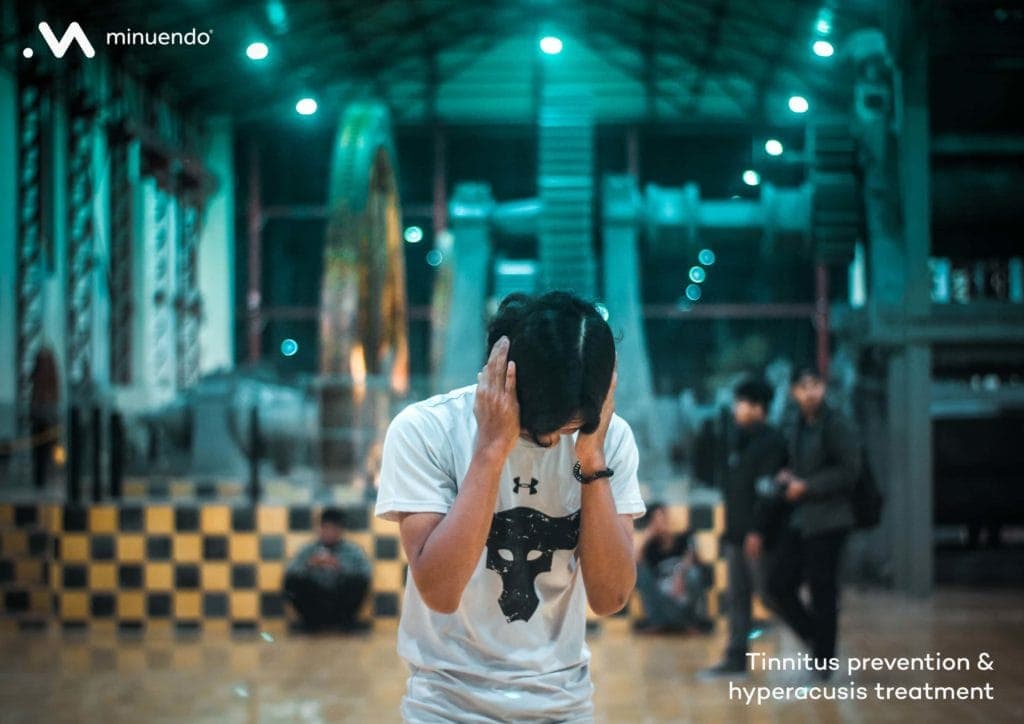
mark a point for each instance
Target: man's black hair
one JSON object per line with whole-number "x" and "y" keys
{"x": 805, "y": 370}
{"x": 564, "y": 354}
{"x": 754, "y": 391}
{"x": 333, "y": 515}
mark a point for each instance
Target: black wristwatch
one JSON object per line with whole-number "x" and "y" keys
{"x": 577, "y": 471}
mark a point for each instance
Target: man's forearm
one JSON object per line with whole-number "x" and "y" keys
{"x": 606, "y": 551}
{"x": 449, "y": 555}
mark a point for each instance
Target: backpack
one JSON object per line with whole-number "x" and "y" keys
{"x": 866, "y": 498}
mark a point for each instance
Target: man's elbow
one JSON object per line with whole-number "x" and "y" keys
{"x": 438, "y": 600}
{"x": 612, "y": 601}
{"x": 610, "y": 604}
{"x": 439, "y": 604}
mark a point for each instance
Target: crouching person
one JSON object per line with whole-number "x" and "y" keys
{"x": 671, "y": 579}
{"x": 327, "y": 581}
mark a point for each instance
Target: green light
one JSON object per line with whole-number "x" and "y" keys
{"x": 751, "y": 177}
{"x": 798, "y": 104}
{"x": 697, "y": 274}
{"x": 693, "y": 292}
{"x": 773, "y": 147}
{"x": 289, "y": 347}
{"x": 823, "y": 48}
{"x": 434, "y": 257}
{"x": 414, "y": 235}
{"x": 706, "y": 257}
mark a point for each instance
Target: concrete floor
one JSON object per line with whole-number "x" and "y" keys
{"x": 95, "y": 677}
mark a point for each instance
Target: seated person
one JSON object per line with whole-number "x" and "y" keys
{"x": 328, "y": 579}
{"x": 671, "y": 580}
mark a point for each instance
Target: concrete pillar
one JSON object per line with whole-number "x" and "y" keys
{"x": 909, "y": 470}
{"x": 464, "y": 308}
{"x": 622, "y": 293}
{"x": 217, "y": 254}
{"x": 634, "y": 397}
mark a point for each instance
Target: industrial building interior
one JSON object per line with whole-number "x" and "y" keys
{"x": 237, "y": 238}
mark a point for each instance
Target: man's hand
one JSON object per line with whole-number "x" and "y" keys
{"x": 753, "y": 544}
{"x": 496, "y": 407}
{"x": 678, "y": 584}
{"x": 795, "y": 489}
{"x": 324, "y": 560}
{"x": 590, "y": 448}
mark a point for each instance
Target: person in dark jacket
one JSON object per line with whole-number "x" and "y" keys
{"x": 824, "y": 464}
{"x": 759, "y": 451}
{"x": 44, "y": 414}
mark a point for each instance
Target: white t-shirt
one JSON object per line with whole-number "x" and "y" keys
{"x": 514, "y": 650}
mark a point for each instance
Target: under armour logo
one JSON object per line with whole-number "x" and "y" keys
{"x": 532, "y": 485}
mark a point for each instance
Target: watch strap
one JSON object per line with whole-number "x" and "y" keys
{"x": 577, "y": 471}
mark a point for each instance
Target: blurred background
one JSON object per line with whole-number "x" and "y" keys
{"x": 237, "y": 237}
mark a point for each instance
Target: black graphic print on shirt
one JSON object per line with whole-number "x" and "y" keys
{"x": 531, "y": 486}
{"x": 515, "y": 535}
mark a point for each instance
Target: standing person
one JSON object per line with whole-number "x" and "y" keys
{"x": 44, "y": 413}
{"x": 516, "y": 498}
{"x": 759, "y": 451}
{"x": 671, "y": 579}
{"x": 824, "y": 464}
{"x": 328, "y": 579}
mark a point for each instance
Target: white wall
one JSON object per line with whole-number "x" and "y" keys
{"x": 217, "y": 255}
{"x": 8, "y": 236}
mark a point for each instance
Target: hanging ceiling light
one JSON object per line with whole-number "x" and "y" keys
{"x": 823, "y": 49}
{"x": 551, "y": 45}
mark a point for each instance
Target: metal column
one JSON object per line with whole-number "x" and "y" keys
{"x": 29, "y": 255}
{"x": 161, "y": 354}
{"x": 122, "y": 242}
{"x": 188, "y": 302}
{"x": 898, "y": 213}
{"x": 81, "y": 233}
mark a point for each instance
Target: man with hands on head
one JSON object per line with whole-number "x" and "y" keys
{"x": 515, "y": 498}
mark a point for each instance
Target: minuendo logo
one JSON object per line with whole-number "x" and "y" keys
{"x": 136, "y": 37}
{"x": 75, "y": 34}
